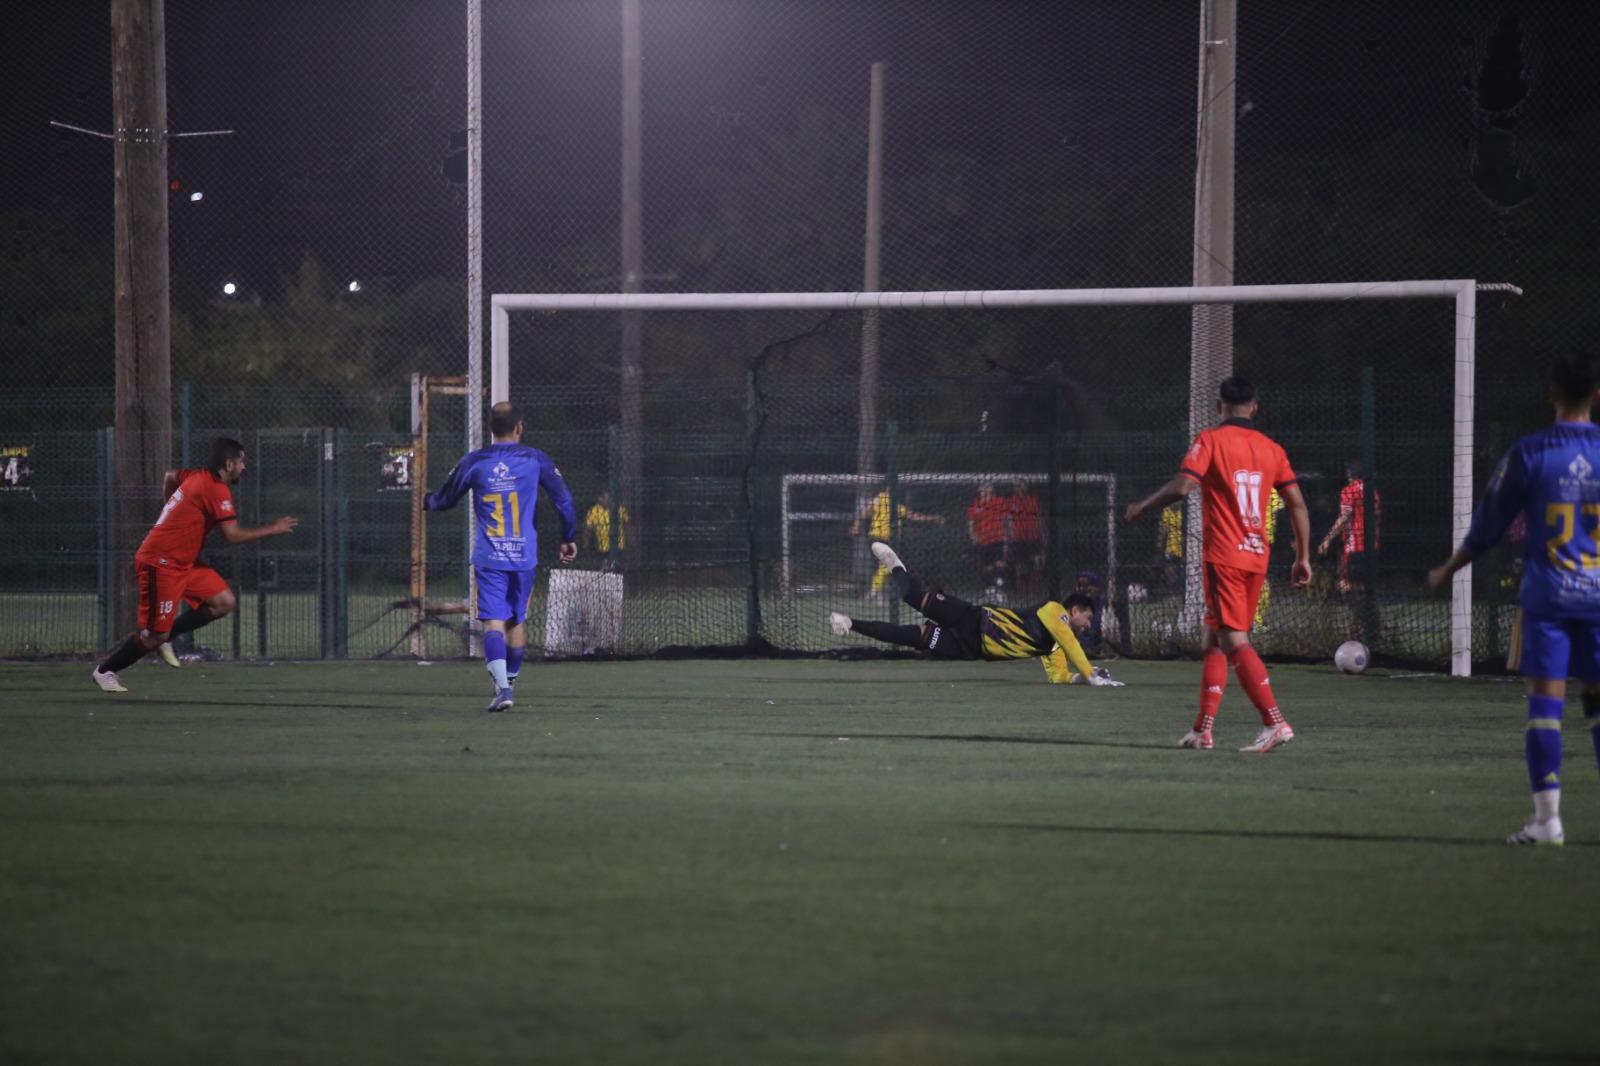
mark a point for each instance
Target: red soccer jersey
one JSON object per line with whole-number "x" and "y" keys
{"x": 201, "y": 502}
{"x": 1024, "y": 518}
{"x": 1352, "y": 498}
{"x": 988, "y": 519}
{"x": 1236, "y": 466}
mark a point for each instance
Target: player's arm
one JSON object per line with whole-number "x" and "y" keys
{"x": 1339, "y": 525}
{"x": 1066, "y": 640}
{"x": 1507, "y": 495}
{"x": 1179, "y": 487}
{"x": 234, "y": 535}
{"x": 1300, "y": 522}
{"x": 555, "y": 487}
{"x": 455, "y": 487}
{"x": 170, "y": 483}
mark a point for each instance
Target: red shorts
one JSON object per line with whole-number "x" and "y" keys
{"x": 1231, "y": 595}
{"x": 161, "y": 587}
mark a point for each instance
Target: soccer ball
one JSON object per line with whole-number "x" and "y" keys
{"x": 1351, "y": 658}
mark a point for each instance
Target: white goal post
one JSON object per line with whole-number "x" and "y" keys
{"x": 1463, "y": 291}
{"x": 1104, "y": 482}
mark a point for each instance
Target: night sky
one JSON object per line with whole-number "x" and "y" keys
{"x": 1028, "y": 143}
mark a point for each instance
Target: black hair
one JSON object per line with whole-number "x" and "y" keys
{"x": 1237, "y": 392}
{"x": 1353, "y": 468}
{"x": 503, "y": 419}
{"x": 1077, "y": 599}
{"x": 223, "y": 451}
{"x": 1575, "y": 375}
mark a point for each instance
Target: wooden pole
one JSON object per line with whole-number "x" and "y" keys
{"x": 143, "y": 325}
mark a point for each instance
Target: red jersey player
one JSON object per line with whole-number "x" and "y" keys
{"x": 1236, "y": 467}
{"x": 197, "y": 501}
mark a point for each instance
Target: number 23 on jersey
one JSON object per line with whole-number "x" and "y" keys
{"x": 1573, "y": 535}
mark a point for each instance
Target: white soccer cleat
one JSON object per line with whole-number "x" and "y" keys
{"x": 1544, "y": 834}
{"x": 1197, "y": 739}
{"x": 1271, "y": 738}
{"x": 108, "y": 681}
{"x": 886, "y": 556}
{"x": 839, "y": 623}
{"x": 168, "y": 655}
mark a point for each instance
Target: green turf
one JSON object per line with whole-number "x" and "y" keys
{"x": 758, "y": 861}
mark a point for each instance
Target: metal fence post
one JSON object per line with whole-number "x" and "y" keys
{"x": 752, "y": 601}
{"x": 891, "y": 468}
{"x": 105, "y": 593}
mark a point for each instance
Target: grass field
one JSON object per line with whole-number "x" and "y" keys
{"x": 779, "y": 861}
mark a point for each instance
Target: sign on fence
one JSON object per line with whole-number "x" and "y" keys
{"x": 584, "y": 613}
{"x": 16, "y": 472}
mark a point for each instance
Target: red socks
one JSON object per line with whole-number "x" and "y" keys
{"x": 1252, "y": 675}
{"x": 1213, "y": 678}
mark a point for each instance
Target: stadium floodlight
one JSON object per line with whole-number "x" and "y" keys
{"x": 1462, "y": 291}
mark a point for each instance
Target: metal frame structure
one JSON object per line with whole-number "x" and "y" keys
{"x": 1463, "y": 291}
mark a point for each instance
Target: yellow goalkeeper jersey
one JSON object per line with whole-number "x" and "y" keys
{"x": 1034, "y": 632}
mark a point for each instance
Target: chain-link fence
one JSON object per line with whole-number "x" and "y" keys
{"x": 319, "y": 260}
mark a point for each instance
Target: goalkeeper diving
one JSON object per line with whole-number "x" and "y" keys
{"x": 957, "y": 629}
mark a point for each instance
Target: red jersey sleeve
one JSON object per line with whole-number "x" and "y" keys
{"x": 1197, "y": 460}
{"x": 217, "y": 503}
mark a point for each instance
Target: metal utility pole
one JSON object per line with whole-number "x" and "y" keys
{"x": 632, "y": 267}
{"x": 143, "y": 324}
{"x": 1211, "y": 325}
{"x": 867, "y": 446}
{"x": 474, "y": 397}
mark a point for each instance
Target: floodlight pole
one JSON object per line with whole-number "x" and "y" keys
{"x": 632, "y": 256}
{"x": 1211, "y": 326}
{"x": 474, "y": 397}
{"x": 867, "y": 441}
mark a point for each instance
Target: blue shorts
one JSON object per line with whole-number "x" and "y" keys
{"x": 1555, "y": 648}
{"x": 503, "y": 594}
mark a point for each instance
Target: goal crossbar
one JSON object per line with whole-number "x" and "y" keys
{"x": 1463, "y": 291}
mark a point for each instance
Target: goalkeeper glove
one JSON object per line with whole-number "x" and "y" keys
{"x": 1102, "y": 678}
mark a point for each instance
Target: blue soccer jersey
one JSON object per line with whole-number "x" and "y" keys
{"x": 505, "y": 480}
{"x": 1552, "y": 479}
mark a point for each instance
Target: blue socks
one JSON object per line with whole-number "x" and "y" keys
{"x": 514, "y": 666}
{"x": 494, "y": 653}
{"x": 1543, "y": 741}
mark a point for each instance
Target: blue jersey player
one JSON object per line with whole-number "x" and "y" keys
{"x": 1552, "y": 479}
{"x": 505, "y": 479}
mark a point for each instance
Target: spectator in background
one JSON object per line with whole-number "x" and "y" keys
{"x": 1169, "y": 539}
{"x": 987, "y": 516}
{"x": 1096, "y": 640}
{"x": 1351, "y": 527}
{"x": 1026, "y": 548}
{"x": 1269, "y": 532}
{"x": 597, "y": 530}
{"x": 876, "y": 515}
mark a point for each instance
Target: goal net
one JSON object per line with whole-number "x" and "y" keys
{"x": 740, "y": 451}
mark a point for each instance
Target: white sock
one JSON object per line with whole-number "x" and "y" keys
{"x": 497, "y": 670}
{"x": 1546, "y": 805}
